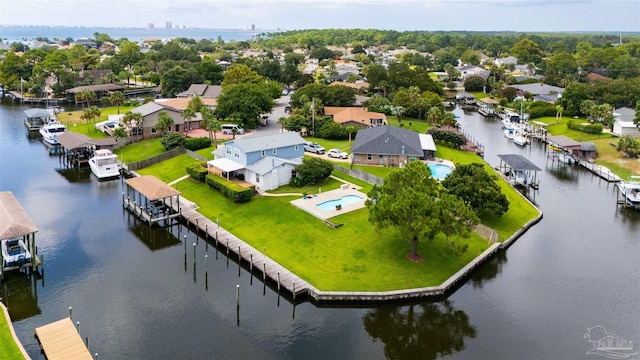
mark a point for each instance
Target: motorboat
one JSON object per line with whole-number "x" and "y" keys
{"x": 509, "y": 119}
{"x": 104, "y": 164}
{"x": 566, "y": 158}
{"x": 15, "y": 254}
{"x": 51, "y": 130}
{"x": 520, "y": 136}
{"x": 509, "y": 132}
{"x": 631, "y": 190}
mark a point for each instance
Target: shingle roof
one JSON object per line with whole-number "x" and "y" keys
{"x": 256, "y": 143}
{"x": 148, "y": 108}
{"x": 538, "y": 88}
{"x": 100, "y": 87}
{"x": 14, "y": 221}
{"x": 588, "y": 146}
{"x": 342, "y": 115}
{"x": 387, "y": 140}
{"x": 151, "y": 187}
{"x": 202, "y": 90}
{"x": 562, "y": 141}
{"x": 268, "y": 163}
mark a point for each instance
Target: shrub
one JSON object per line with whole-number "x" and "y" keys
{"x": 198, "y": 171}
{"x": 539, "y": 109}
{"x": 455, "y": 139}
{"x": 332, "y": 130}
{"x": 311, "y": 170}
{"x": 230, "y": 189}
{"x": 474, "y": 83}
{"x": 194, "y": 144}
{"x": 172, "y": 140}
{"x": 585, "y": 127}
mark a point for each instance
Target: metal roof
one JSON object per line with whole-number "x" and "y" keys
{"x": 37, "y": 113}
{"x": 518, "y": 162}
{"x": 562, "y": 141}
{"x": 14, "y": 221}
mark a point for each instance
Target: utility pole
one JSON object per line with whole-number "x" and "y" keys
{"x": 313, "y": 116}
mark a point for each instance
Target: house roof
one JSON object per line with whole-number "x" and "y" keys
{"x": 562, "y": 141}
{"x": 465, "y": 95}
{"x": 489, "y": 100}
{"x": 257, "y": 143}
{"x": 71, "y": 140}
{"x": 538, "y": 88}
{"x": 225, "y": 164}
{"x": 387, "y": 140}
{"x": 202, "y": 90}
{"x": 182, "y": 103}
{"x": 266, "y": 164}
{"x": 100, "y": 87}
{"x": 151, "y": 187}
{"x": 625, "y": 114}
{"x": 588, "y": 146}
{"x": 14, "y": 221}
{"x": 148, "y": 108}
{"x": 343, "y": 115}
{"x": 427, "y": 143}
{"x": 356, "y": 85}
{"x": 518, "y": 162}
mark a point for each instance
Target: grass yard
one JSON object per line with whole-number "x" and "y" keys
{"x": 324, "y": 185}
{"x": 353, "y": 257}
{"x": 331, "y": 143}
{"x": 74, "y": 123}
{"x": 141, "y": 150}
{"x": 9, "y": 348}
{"x": 169, "y": 170}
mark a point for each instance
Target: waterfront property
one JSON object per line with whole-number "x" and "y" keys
{"x": 518, "y": 170}
{"x": 355, "y": 116}
{"x": 629, "y": 192}
{"x": 623, "y": 124}
{"x": 267, "y": 161}
{"x": 332, "y": 203}
{"x": 17, "y": 236}
{"x": 151, "y": 199}
{"x": 391, "y": 146}
{"x": 78, "y": 148}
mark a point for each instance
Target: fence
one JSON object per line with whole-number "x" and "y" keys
{"x": 195, "y": 155}
{"x": 156, "y": 159}
{"x": 487, "y": 233}
{"x": 359, "y": 174}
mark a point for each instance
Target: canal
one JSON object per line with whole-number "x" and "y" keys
{"x": 139, "y": 294}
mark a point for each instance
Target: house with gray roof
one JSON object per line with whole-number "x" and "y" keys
{"x": 203, "y": 90}
{"x": 150, "y": 113}
{"x": 623, "y": 124}
{"x": 390, "y": 146}
{"x": 267, "y": 161}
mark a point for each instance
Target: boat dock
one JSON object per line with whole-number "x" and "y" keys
{"x": 61, "y": 340}
{"x": 601, "y": 171}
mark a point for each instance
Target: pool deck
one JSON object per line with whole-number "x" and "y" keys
{"x": 309, "y": 204}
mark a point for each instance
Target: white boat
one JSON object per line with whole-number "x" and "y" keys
{"x": 15, "y": 254}
{"x": 566, "y": 158}
{"x": 509, "y": 133}
{"x": 51, "y": 130}
{"x": 631, "y": 190}
{"x": 104, "y": 164}
{"x": 520, "y": 136}
{"x": 510, "y": 119}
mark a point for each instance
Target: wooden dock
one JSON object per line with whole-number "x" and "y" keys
{"x": 61, "y": 340}
{"x": 601, "y": 171}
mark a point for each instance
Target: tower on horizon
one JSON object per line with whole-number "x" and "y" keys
{"x": 150, "y": 26}
{"x": 253, "y": 26}
{"x": 168, "y": 25}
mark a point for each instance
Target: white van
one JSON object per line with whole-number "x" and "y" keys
{"x": 228, "y": 129}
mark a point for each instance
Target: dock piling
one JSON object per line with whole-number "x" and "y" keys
{"x": 238, "y": 295}
{"x": 264, "y": 271}
{"x": 278, "y": 282}
{"x": 70, "y": 317}
{"x": 251, "y": 263}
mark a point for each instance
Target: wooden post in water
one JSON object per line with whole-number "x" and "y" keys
{"x": 264, "y": 271}
{"x": 227, "y": 246}
{"x": 70, "y": 317}
{"x": 238, "y": 295}
{"x": 78, "y": 326}
{"x": 251, "y": 263}
{"x": 294, "y": 290}
{"x": 205, "y": 263}
{"x": 194, "y": 253}
{"x": 278, "y": 281}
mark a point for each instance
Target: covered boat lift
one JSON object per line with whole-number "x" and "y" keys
{"x": 518, "y": 170}
{"x": 151, "y": 199}
{"x": 16, "y": 224}
{"x": 78, "y": 148}
{"x": 35, "y": 118}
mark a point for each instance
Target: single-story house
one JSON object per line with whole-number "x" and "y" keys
{"x": 355, "y": 116}
{"x": 538, "y": 89}
{"x": 173, "y": 107}
{"x": 506, "y": 61}
{"x": 267, "y": 161}
{"x": 623, "y": 122}
{"x": 391, "y": 146}
{"x": 101, "y": 90}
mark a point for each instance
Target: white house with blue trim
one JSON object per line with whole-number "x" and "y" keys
{"x": 265, "y": 161}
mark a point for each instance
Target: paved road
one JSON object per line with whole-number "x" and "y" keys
{"x": 273, "y": 127}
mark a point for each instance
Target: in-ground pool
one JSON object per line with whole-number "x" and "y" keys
{"x": 345, "y": 200}
{"x": 439, "y": 171}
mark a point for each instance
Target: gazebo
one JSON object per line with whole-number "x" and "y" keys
{"x": 151, "y": 199}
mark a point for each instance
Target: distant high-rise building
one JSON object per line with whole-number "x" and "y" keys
{"x": 253, "y": 26}
{"x": 150, "y": 26}
{"x": 168, "y": 25}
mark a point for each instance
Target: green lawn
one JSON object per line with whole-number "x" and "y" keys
{"x": 353, "y": 257}
{"x": 74, "y": 123}
{"x": 331, "y": 143}
{"x": 169, "y": 170}
{"x": 324, "y": 185}
{"x": 140, "y": 150}
{"x": 10, "y": 350}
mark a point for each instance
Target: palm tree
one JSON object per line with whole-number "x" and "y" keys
{"x": 117, "y": 98}
{"x": 188, "y": 114}
{"x": 95, "y": 113}
{"x": 164, "y": 121}
{"x": 559, "y": 110}
{"x": 210, "y": 123}
{"x": 283, "y": 122}
{"x": 134, "y": 120}
{"x": 196, "y": 103}
{"x": 86, "y": 96}
{"x": 350, "y": 130}
{"x": 90, "y": 114}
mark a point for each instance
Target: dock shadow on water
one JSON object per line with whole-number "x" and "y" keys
{"x": 19, "y": 294}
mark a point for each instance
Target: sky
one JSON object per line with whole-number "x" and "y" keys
{"x": 401, "y": 15}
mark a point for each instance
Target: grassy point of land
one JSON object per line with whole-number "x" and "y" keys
{"x": 10, "y": 349}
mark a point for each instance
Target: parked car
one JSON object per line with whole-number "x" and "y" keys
{"x": 228, "y": 129}
{"x": 337, "y": 153}
{"x": 313, "y": 147}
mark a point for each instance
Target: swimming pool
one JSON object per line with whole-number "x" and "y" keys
{"x": 345, "y": 200}
{"x": 439, "y": 171}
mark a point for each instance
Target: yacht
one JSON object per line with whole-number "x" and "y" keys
{"x": 520, "y": 136}
{"x": 51, "y": 130}
{"x": 631, "y": 190}
{"x": 104, "y": 164}
{"x": 510, "y": 119}
{"x": 15, "y": 254}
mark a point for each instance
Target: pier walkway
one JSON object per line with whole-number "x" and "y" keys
{"x": 61, "y": 340}
{"x": 601, "y": 171}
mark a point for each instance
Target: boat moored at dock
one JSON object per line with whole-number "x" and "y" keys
{"x": 51, "y": 130}
{"x": 630, "y": 190}
{"x": 15, "y": 254}
{"x": 104, "y": 164}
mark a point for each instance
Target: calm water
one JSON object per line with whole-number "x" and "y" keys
{"x": 138, "y": 294}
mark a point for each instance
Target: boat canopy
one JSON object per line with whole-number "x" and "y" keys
{"x": 14, "y": 221}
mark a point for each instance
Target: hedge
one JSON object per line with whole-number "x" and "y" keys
{"x": 194, "y": 144}
{"x": 198, "y": 171}
{"x": 539, "y": 109}
{"x": 445, "y": 136}
{"x": 586, "y": 127}
{"x": 230, "y": 189}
